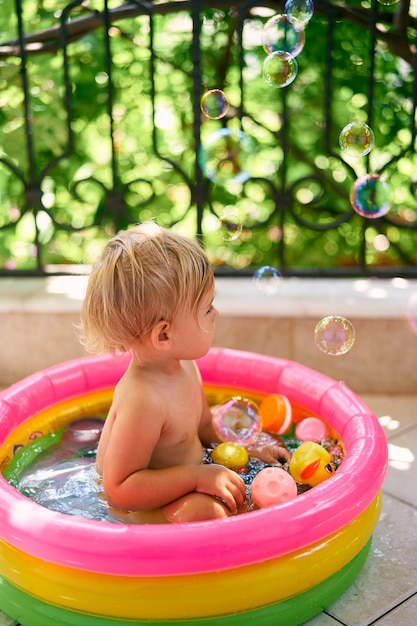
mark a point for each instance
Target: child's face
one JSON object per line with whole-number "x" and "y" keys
{"x": 193, "y": 335}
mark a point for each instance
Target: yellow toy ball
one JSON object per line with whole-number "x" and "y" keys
{"x": 230, "y": 455}
{"x": 311, "y": 464}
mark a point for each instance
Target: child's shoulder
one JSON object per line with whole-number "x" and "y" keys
{"x": 133, "y": 386}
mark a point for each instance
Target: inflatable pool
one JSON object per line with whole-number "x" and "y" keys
{"x": 276, "y": 566}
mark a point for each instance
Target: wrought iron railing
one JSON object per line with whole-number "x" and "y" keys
{"x": 101, "y": 126}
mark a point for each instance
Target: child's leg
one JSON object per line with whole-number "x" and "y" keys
{"x": 195, "y": 507}
{"x": 155, "y": 516}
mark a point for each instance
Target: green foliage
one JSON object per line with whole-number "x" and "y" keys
{"x": 116, "y": 144}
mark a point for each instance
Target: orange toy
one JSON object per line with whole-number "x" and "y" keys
{"x": 276, "y": 414}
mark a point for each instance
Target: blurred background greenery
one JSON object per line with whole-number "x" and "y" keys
{"x": 100, "y": 125}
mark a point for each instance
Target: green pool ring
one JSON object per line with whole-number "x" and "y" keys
{"x": 26, "y": 455}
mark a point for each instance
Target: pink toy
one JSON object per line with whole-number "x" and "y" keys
{"x": 273, "y": 485}
{"x": 311, "y": 429}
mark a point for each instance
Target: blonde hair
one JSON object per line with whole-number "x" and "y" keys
{"x": 144, "y": 275}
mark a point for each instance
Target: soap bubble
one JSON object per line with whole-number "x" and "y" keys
{"x": 237, "y": 421}
{"x": 280, "y": 69}
{"x": 230, "y": 227}
{"x": 214, "y": 104}
{"x": 334, "y": 335}
{"x": 225, "y": 155}
{"x": 357, "y": 139}
{"x": 300, "y": 10}
{"x": 267, "y": 280}
{"x": 281, "y": 33}
{"x": 370, "y": 196}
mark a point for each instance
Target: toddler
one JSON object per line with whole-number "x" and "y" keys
{"x": 151, "y": 294}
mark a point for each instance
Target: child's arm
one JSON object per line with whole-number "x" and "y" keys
{"x": 149, "y": 489}
{"x": 129, "y": 484}
{"x": 206, "y": 431}
{"x": 267, "y": 448}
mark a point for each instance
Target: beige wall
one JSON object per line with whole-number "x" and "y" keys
{"x": 382, "y": 360}
{"x": 38, "y": 319}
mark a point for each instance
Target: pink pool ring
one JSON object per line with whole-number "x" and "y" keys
{"x": 57, "y": 568}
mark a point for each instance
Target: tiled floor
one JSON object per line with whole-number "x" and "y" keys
{"x": 385, "y": 592}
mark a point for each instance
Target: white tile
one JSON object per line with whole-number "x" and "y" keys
{"x": 400, "y": 481}
{"x": 322, "y": 620}
{"x": 390, "y": 572}
{"x": 398, "y": 417}
{"x": 404, "y": 615}
{"x": 5, "y": 620}
{"x": 394, "y": 412}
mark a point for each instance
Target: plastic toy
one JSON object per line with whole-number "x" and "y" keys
{"x": 276, "y": 414}
{"x": 273, "y": 485}
{"x": 311, "y": 464}
{"x": 311, "y": 429}
{"x": 61, "y": 569}
{"x": 231, "y": 455}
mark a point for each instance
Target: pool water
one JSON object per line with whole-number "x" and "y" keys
{"x": 64, "y": 478}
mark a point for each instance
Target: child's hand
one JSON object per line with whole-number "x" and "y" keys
{"x": 223, "y": 483}
{"x": 269, "y": 450}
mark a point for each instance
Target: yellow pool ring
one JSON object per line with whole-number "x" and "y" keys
{"x": 189, "y": 596}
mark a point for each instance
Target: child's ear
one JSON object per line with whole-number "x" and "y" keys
{"x": 161, "y": 335}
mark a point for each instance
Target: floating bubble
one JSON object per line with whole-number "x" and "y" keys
{"x": 334, "y": 335}
{"x": 300, "y": 10}
{"x": 230, "y": 227}
{"x": 237, "y": 421}
{"x": 267, "y": 280}
{"x": 280, "y": 69}
{"x": 388, "y": 2}
{"x": 214, "y": 104}
{"x": 225, "y": 156}
{"x": 281, "y": 33}
{"x": 357, "y": 139}
{"x": 370, "y": 196}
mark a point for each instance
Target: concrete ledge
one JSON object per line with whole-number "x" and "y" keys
{"x": 38, "y": 318}
{"x": 296, "y": 297}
